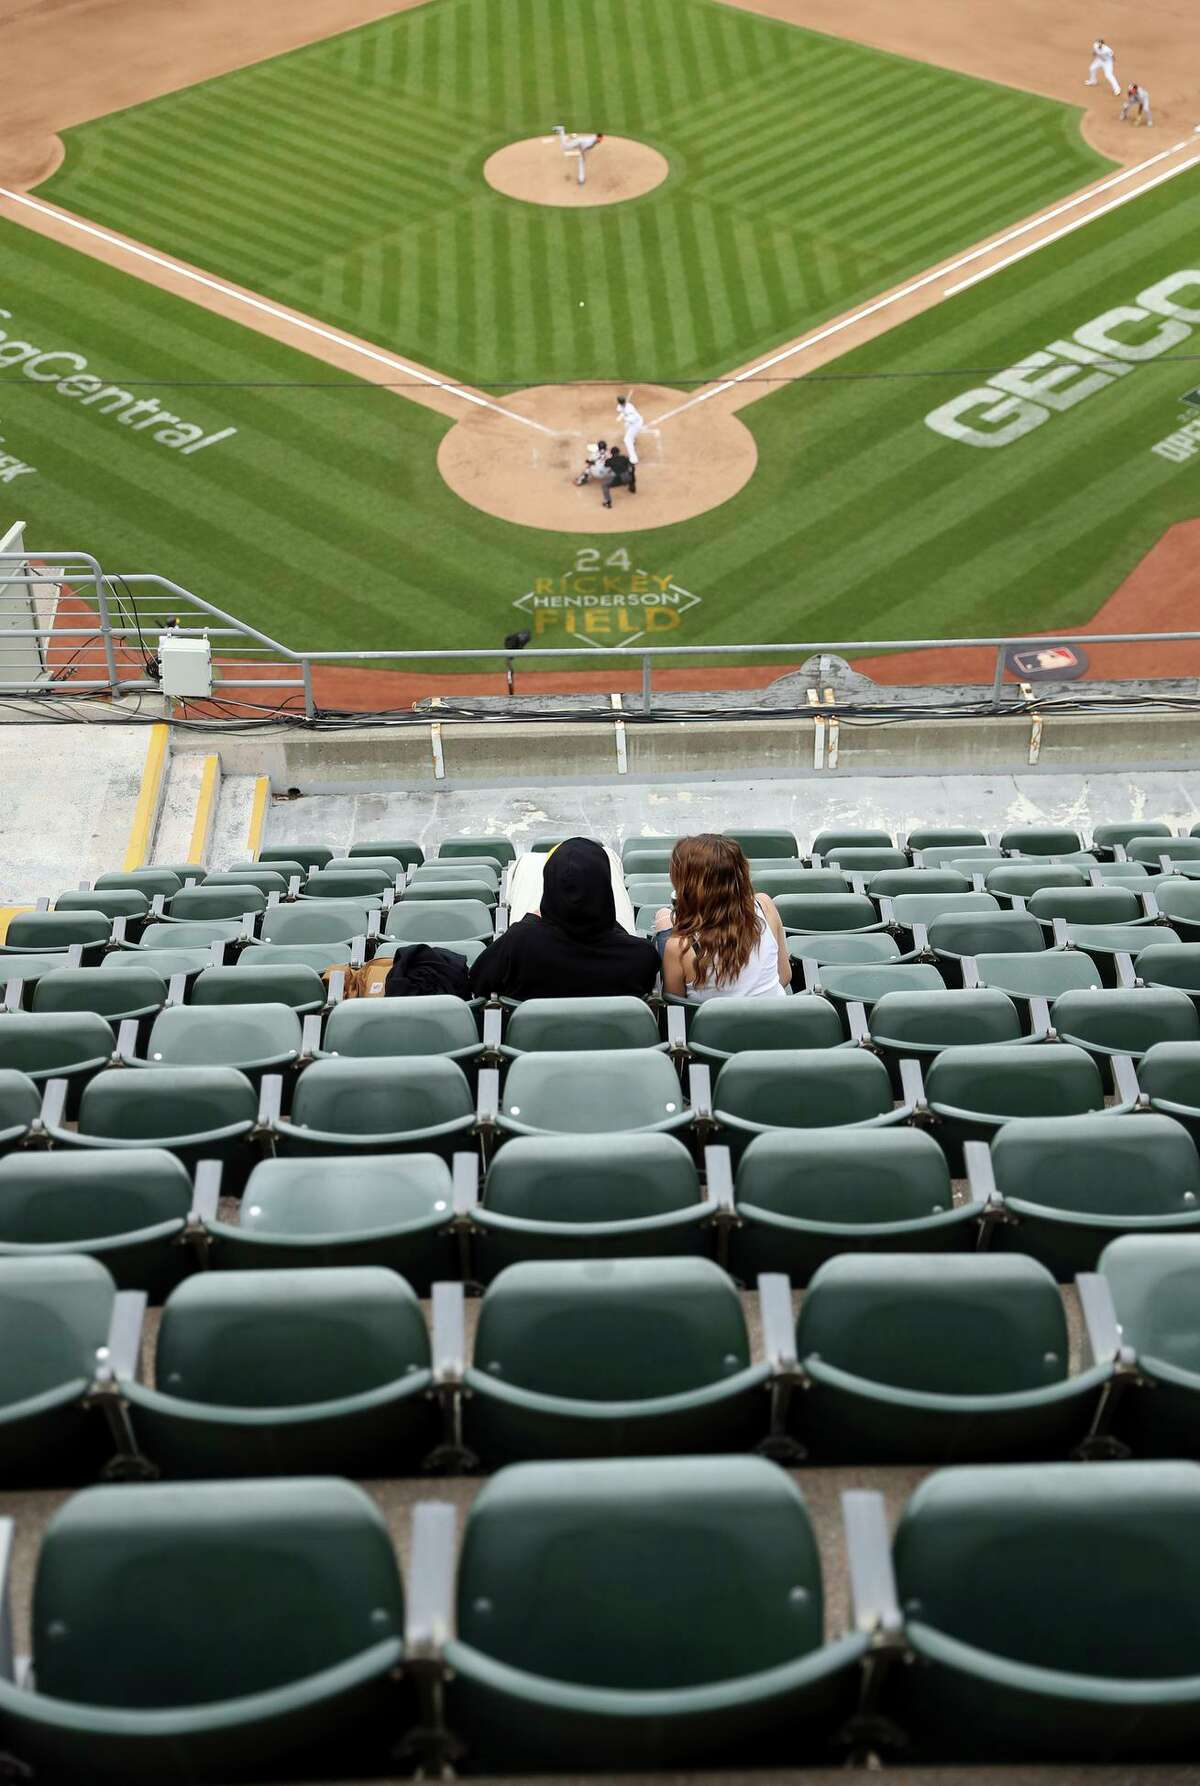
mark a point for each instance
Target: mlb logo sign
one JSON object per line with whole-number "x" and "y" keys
{"x": 1047, "y": 663}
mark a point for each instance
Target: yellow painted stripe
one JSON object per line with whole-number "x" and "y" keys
{"x": 205, "y": 801}
{"x": 6, "y": 913}
{"x": 258, "y": 814}
{"x": 141, "y": 834}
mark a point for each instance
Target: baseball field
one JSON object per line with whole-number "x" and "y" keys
{"x": 359, "y": 426}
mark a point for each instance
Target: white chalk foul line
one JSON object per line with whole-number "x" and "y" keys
{"x": 927, "y": 279}
{"x": 268, "y": 309}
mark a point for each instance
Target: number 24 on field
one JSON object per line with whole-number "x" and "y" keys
{"x": 588, "y": 559}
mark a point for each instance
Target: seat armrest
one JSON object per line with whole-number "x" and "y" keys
{"x": 449, "y": 1336}
{"x": 1125, "y": 1081}
{"x": 429, "y": 1590}
{"x": 358, "y": 951}
{"x": 75, "y": 955}
{"x": 374, "y": 928}
{"x": 7, "y": 1656}
{"x": 127, "y": 1041}
{"x": 1039, "y": 1017}
{"x": 1102, "y": 1331}
{"x": 493, "y": 1029}
{"x": 120, "y": 1358}
{"x": 1165, "y": 864}
{"x": 1062, "y": 939}
{"x": 718, "y": 1176}
{"x": 858, "y": 884}
{"x": 501, "y": 924}
{"x": 206, "y": 1191}
{"x": 270, "y": 1100}
{"x": 272, "y": 900}
{"x": 487, "y": 1098}
{"x": 874, "y": 1602}
{"x": 1126, "y": 975}
{"x": 912, "y": 1087}
{"x": 117, "y": 934}
{"x": 158, "y": 906}
{"x": 177, "y": 989}
{"x": 1149, "y": 905}
{"x": 466, "y": 1184}
{"x": 1095, "y": 877}
{"x": 812, "y": 974}
{"x": 677, "y": 1031}
{"x": 860, "y": 1029}
{"x": 1120, "y": 853}
{"x": 778, "y": 1325}
{"x": 310, "y": 1036}
{"x": 293, "y": 891}
{"x": 920, "y": 937}
{"x": 977, "y": 1157}
{"x": 246, "y": 934}
{"x": 887, "y": 911}
{"x": 336, "y": 991}
{"x": 54, "y": 1106}
{"x": 14, "y": 995}
{"x": 970, "y": 972}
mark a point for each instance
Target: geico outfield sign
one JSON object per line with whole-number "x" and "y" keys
{"x": 67, "y": 372}
{"x": 1015, "y": 402}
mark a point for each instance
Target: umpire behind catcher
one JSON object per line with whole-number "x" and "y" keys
{"x": 610, "y": 467}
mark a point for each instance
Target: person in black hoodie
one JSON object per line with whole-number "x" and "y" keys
{"x": 575, "y": 948}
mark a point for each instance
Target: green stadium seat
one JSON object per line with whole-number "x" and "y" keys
{"x": 392, "y": 866}
{"x": 469, "y": 948}
{"x": 864, "y": 983}
{"x": 27, "y": 970}
{"x": 264, "y": 1637}
{"x": 612, "y": 1358}
{"x": 1169, "y": 1076}
{"x": 1106, "y": 837}
{"x": 545, "y": 1199}
{"x": 154, "y": 883}
{"x": 1042, "y": 973}
{"x": 776, "y": 844}
{"x": 45, "y": 1045}
{"x": 825, "y": 841}
{"x": 267, "y": 880}
{"x": 1070, "y": 1184}
{"x": 1125, "y": 1020}
{"x": 1151, "y": 849}
{"x": 1153, "y": 1281}
{"x": 807, "y": 912}
{"x": 56, "y": 1314}
{"x": 775, "y": 881}
{"x": 592, "y": 1092}
{"x": 889, "y": 882}
{"x": 468, "y": 887}
{"x": 559, "y": 1025}
{"x": 317, "y": 956}
{"x": 918, "y": 1025}
{"x": 383, "y": 1105}
{"x": 972, "y": 1092}
{"x": 359, "y": 886}
{"x": 647, "y": 862}
{"x": 137, "y": 993}
{"x": 1023, "y": 879}
{"x": 439, "y": 921}
{"x": 1040, "y": 840}
{"x": 1093, "y": 906}
{"x": 617, "y": 1615}
{"x": 114, "y": 902}
{"x": 1170, "y": 964}
{"x": 500, "y": 849}
{"x": 806, "y": 1196}
{"x": 392, "y": 1210}
{"x": 42, "y": 932}
{"x": 1106, "y": 943}
{"x": 907, "y": 909}
{"x": 1111, "y": 874}
{"x": 20, "y": 1108}
{"x": 176, "y": 936}
{"x": 954, "y": 935}
{"x": 166, "y": 963}
{"x": 315, "y": 923}
{"x": 197, "y": 1113}
{"x": 864, "y": 860}
{"x": 938, "y": 1358}
{"x": 128, "y": 1209}
{"x": 964, "y": 858}
{"x": 201, "y": 905}
{"x": 437, "y": 874}
{"x": 723, "y": 1027}
{"x": 278, "y": 1373}
{"x": 254, "y": 1038}
{"x": 434, "y": 1024}
{"x": 649, "y": 890}
{"x": 285, "y": 866}
{"x": 404, "y": 849}
{"x": 848, "y": 948}
{"x": 1051, "y": 1615}
{"x": 933, "y": 837}
{"x": 804, "y": 1089}
{"x": 632, "y": 845}
{"x": 309, "y": 855}
{"x": 253, "y": 982}
{"x": 1178, "y": 900}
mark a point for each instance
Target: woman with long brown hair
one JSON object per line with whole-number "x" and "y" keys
{"x": 726, "y": 940}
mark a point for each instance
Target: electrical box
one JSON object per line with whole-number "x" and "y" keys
{"x": 186, "y": 666}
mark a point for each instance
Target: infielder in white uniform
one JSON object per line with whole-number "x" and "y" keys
{"x": 581, "y": 146}
{"x": 1102, "y": 63}
{"x": 634, "y": 422}
{"x": 1137, "y": 98}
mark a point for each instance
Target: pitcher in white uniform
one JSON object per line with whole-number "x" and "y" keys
{"x": 634, "y": 421}
{"x": 725, "y": 940}
{"x": 1102, "y": 63}
{"x": 581, "y": 145}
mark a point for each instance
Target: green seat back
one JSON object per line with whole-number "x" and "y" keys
{"x": 934, "y": 837}
{"x": 646, "y": 862}
{"x": 202, "y": 904}
{"x": 405, "y": 850}
{"x": 1177, "y": 898}
{"x": 871, "y": 981}
{"x": 731, "y": 1025}
{"x": 1087, "y": 905}
{"x": 500, "y": 849}
{"x": 1155, "y": 1285}
{"x": 435, "y": 1023}
{"x": 820, "y": 1088}
{"x": 1150, "y": 849}
{"x": 1023, "y": 879}
{"x": 725, "y": 1541}
{"x": 167, "y": 1104}
{"x": 610, "y": 1330}
{"x": 470, "y": 948}
{"x": 389, "y": 865}
{"x": 547, "y": 1178}
{"x": 30, "y": 968}
{"x": 941, "y": 1324}
{"x": 846, "y": 1175}
{"x": 284, "y": 866}
{"x": 439, "y": 921}
{"x": 1107, "y": 1165}
{"x": 776, "y": 881}
{"x": 224, "y": 1035}
{"x": 1170, "y": 1072}
{"x": 964, "y": 858}
{"x": 277, "y": 1339}
{"x": 109, "y": 995}
{"x": 347, "y": 883}
{"x": 651, "y": 889}
{"x": 260, "y": 983}
{"x": 1126, "y": 1020}
{"x": 20, "y": 1100}
{"x": 317, "y": 956}
{"x": 979, "y": 933}
{"x": 1170, "y": 964}
{"x": 1090, "y": 1571}
{"x": 780, "y": 844}
{"x": 590, "y": 1092}
{"x": 654, "y": 842}
{"x": 369, "y": 1194}
{"x": 1041, "y": 840}
{"x": 160, "y": 1597}
{"x": 825, "y": 841}
{"x": 1107, "y": 940}
{"x": 562, "y": 1024}
{"x": 64, "y": 1197}
{"x": 151, "y": 882}
{"x": 47, "y": 1042}
{"x": 114, "y": 902}
{"x": 166, "y": 963}
{"x": 309, "y": 855}
{"x": 457, "y": 869}
{"x": 57, "y": 930}
{"x": 54, "y": 1315}
{"x": 380, "y": 1097}
{"x": 200, "y": 935}
{"x": 1107, "y": 835}
{"x": 866, "y": 861}
{"x": 942, "y": 1019}
{"x": 313, "y": 924}
{"x": 1043, "y": 973}
{"x": 850, "y": 948}
{"x": 1053, "y": 1079}
{"x": 267, "y": 880}
{"x": 924, "y": 908}
{"x": 890, "y": 882}
{"x": 827, "y": 911}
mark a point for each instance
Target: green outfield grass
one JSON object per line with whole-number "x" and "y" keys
{"x": 807, "y": 173}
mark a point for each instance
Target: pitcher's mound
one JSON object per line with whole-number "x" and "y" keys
{"x": 537, "y": 171}
{"x": 499, "y": 464}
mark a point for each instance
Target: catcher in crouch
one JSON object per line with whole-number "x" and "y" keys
{"x": 580, "y": 145}
{"x": 608, "y": 466}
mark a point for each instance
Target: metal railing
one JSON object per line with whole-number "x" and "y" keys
{"x": 100, "y": 636}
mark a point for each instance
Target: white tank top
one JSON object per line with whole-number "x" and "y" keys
{"x": 758, "y": 979}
